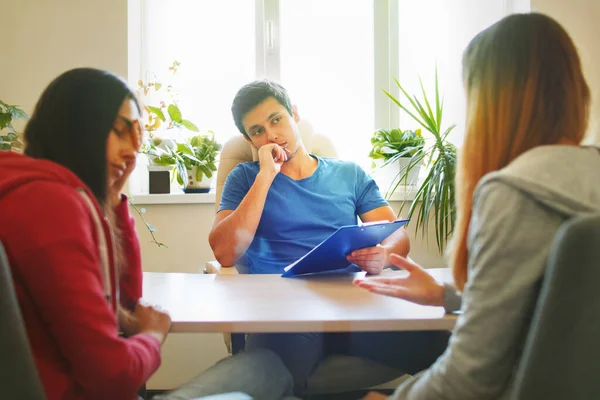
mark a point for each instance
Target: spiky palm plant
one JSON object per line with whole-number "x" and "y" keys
{"x": 435, "y": 196}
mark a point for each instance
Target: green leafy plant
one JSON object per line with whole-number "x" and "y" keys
{"x": 391, "y": 144}
{"x": 435, "y": 197}
{"x": 10, "y": 139}
{"x": 164, "y": 113}
{"x": 205, "y": 150}
{"x": 199, "y": 151}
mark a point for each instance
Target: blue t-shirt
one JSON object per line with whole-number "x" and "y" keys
{"x": 300, "y": 214}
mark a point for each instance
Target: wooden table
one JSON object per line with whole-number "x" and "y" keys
{"x": 270, "y": 303}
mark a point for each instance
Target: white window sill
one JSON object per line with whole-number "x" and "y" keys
{"x": 403, "y": 194}
{"x": 174, "y": 198}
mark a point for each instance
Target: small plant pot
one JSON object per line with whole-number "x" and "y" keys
{"x": 159, "y": 179}
{"x": 195, "y": 186}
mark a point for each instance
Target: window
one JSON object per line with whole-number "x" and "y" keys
{"x": 435, "y": 33}
{"x": 216, "y": 49}
{"x": 327, "y": 65}
{"x": 334, "y": 56}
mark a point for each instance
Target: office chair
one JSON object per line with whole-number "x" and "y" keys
{"x": 19, "y": 378}
{"x": 562, "y": 350}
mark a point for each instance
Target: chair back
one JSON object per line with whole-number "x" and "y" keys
{"x": 237, "y": 150}
{"x": 19, "y": 378}
{"x": 562, "y": 349}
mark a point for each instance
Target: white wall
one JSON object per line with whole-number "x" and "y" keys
{"x": 43, "y": 38}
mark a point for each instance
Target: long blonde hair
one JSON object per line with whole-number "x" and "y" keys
{"x": 524, "y": 88}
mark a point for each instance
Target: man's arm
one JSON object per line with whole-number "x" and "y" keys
{"x": 374, "y": 259}
{"x": 398, "y": 242}
{"x": 233, "y": 230}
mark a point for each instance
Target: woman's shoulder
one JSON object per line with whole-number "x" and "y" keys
{"x": 49, "y": 221}
{"x": 47, "y": 206}
{"x": 552, "y": 163}
{"x": 47, "y": 194}
{"x": 561, "y": 178}
{"x": 492, "y": 196}
{"x": 58, "y": 195}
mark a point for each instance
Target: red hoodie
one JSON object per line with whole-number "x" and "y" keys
{"x": 60, "y": 252}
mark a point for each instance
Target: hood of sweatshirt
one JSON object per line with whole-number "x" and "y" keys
{"x": 565, "y": 179}
{"x": 17, "y": 170}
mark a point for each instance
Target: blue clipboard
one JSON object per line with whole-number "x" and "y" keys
{"x": 330, "y": 254}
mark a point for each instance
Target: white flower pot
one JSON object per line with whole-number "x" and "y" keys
{"x": 387, "y": 176}
{"x": 195, "y": 186}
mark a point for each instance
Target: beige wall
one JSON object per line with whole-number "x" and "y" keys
{"x": 43, "y": 38}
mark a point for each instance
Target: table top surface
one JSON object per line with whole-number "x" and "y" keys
{"x": 270, "y": 303}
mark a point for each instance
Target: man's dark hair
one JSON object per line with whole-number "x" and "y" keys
{"x": 254, "y": 93}
{"x": 72, "y": 120}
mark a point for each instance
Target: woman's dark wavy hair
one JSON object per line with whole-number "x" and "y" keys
{"x": 72, "y": 120}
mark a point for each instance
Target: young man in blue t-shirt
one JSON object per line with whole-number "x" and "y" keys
{"x": 274, "y": 211}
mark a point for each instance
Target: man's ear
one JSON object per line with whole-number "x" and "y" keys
{"x": 295, "y": 113}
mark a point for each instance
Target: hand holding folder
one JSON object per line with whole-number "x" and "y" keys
{"x": 331, "y": 253}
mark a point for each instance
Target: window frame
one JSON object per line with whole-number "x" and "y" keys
{"x": 386, "y": 57}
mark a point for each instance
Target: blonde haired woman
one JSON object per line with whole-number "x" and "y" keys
{"x": 522, "y": 172}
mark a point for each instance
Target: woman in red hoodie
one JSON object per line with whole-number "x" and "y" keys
{"x": 78, "y": 280}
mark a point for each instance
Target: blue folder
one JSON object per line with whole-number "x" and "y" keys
{"x": 330, "y": 254}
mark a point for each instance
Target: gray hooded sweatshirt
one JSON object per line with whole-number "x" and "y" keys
{"x": 516, "y": 214}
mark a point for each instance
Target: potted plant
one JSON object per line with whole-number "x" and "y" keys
{"x": 392, "y": 152}
{"x": 435, "y": 196}
{"x": 197, "y": 164}
{"x": 10, "y": 139}
{"x": 164, "y": 120}
{"x": 160, "y": 154}
{"x": 193, "y": 160}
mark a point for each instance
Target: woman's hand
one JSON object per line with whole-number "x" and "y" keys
{"x": 418, "y": 287}
{"x": 128, "y": 323}
{"x": 153, "y": 321}
{"x": 117, "y": 185}
{"x": 375, "y": 396}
